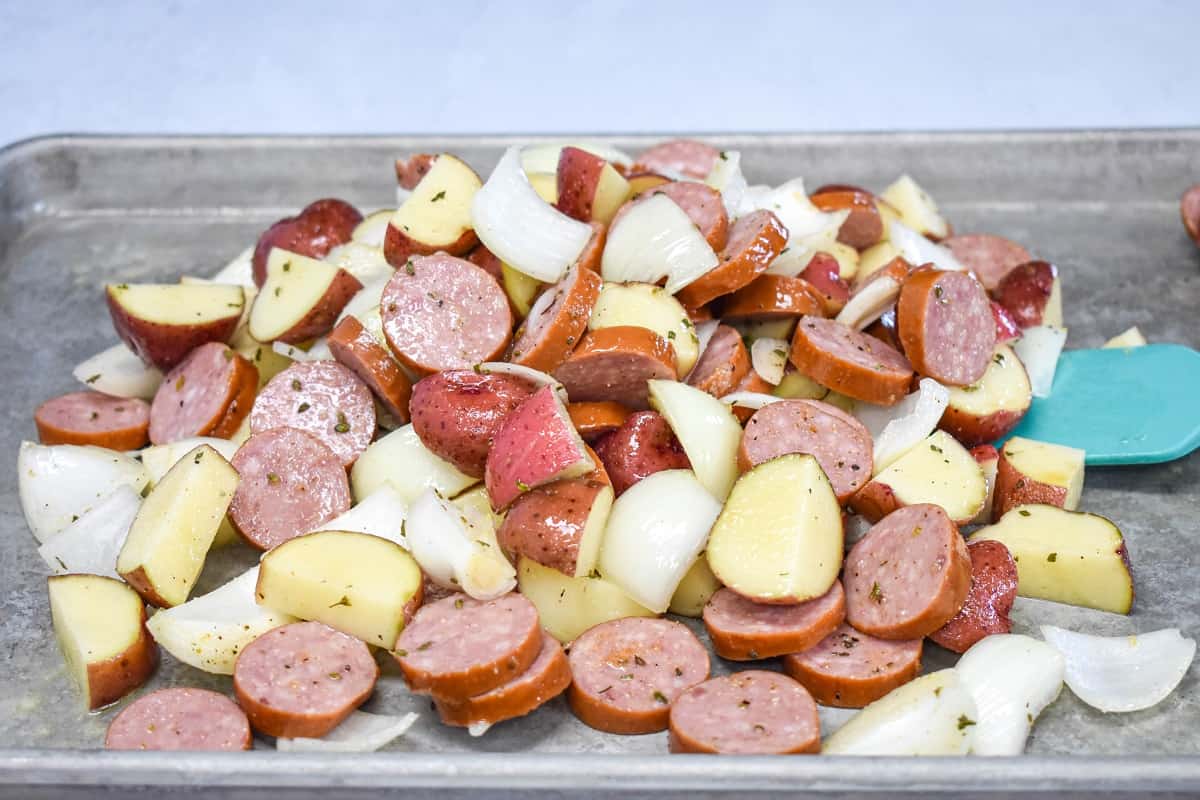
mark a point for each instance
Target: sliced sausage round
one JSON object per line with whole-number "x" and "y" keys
{"x": 595, "y": 419}
{"x": 456, "y": 413}
{"x": 755, "y": 240}
{"x": 742, "y": 630}
{"x": 864, "y": 226}
{"x": 1189, "y": 210}
{"x": 993, "y": 589}
{"x": 841, "y": 444}
{"x": 723, "y": 364}
{"x": 750, "y": 712}
{"x": 303, "y": 679}
{"x": 989, "y": 257}
{"x": 180, "y": 719}
{"x": 627, "y": 672}
{"x": 615, "y": 364}
{"x": 357, "y": 350}
{"x": 321, "y": 398}
{"x": 290, "y": 483}
{"x": 944, "y": 321}
{"x": 908, "y": 576}
{"x": 557, "y": 321}
{"x": 547, "y": 524}
{"x": 825, "y": 274}
{"x": 547, "y": 678}
{"x": 684, "y": 156}
{"x": 593, "y": 251}
{"x": 117, "y": 423}
{"x": 460, "y": 647}
{"x": 441, "y": 312}
{"x": 771, "y": 297}
{"x": 209, "y": 393}
{"x": 852, "y": 363}
{"x": 644, "y": 445}
{"x": 849, "y": 669}
{"x": 753, "y": 382}
{"x": 319, "y": 227}
{"x": 704, "y": 207}
{"x": 410, "y": 171}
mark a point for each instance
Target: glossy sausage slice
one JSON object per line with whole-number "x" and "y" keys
{"x": 594, "y": 420}
{"x": 321, "y": 398}
{"x": 357, "y": 350}
{"x": 849, "y": 669}
{"x": 92, "y": 418}
{"x": 459, "y": 647}
{"x": 547, "y": 678}
{"x": 989, "y": 257}
{"x": 685, "y": 156}
{"x": 557, "y": 321}
{"x": 627, "y": 672}
{"x": 441, "y": 312}
{"x": 615, "y": 363}
{"x": 864, "y": 226}
{"x": 852, "y": 363}
{"x": 743, "y": 630}
{"x": 290, "y": 483}
{"x": 209, "y": 393}
{"x": 770, "y": 297}
{"x": 180, "y": 719}
{"x": 303, "y": 679}
{"x": 755, "y": 240}
{"x": 723, "y": 364}
{"x": 944, "y": 321}
{"x": 993, "y": 589}
{"x": 751, "y": 712}
{"x": 644, "y": 445}
{"x": 908, "y": 576}
{"x": 319, "y": 227}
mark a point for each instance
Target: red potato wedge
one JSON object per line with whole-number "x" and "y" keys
{"x": 916, "y": 208}
{"x": 1007, "y": 328}
{"x": 824, "y": 273}
{"x": 318, "y": 228}
{"x": 300, "y": 300}
{"x": 939, "y": 471}
{"x": 536, "y": 444}
{"x": 1189, "y": 210}
{"x": 864, "y": 227}
{"x": 1032, "y": 294}
{"x": 589, "y": 188}
{"x": 163, "y": 322}
{"x": 992, "y": 406}
{"x": 437, "y": 215}
{"x": 1037, "y": 472}
{"x": 410, "y": 171}
{"x": 559, "y": 525}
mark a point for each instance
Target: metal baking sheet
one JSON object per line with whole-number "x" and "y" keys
{"x": 76, "y": 212}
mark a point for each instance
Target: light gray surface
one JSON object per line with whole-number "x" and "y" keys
{"x": 76, "y": 213}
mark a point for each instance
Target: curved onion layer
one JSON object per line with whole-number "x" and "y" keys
{"x": 522, "y": 229}
{"x": 381, "y": 513}
{"x": 364, "y": 261}
{"x": 769, "y": 358}
{"x": 1123, "y": 673}
{"x": 239, "y": 270}
{"x": 534, "y": 376}
{"x": 91, "y": 543}
{"x": 755, "y": 400}
{"x": 373, "y": 229}
{"x": 655, "y": 532}
{"x": 727, "y": 178}
{"x": 789, "y": 202}
{"x": 451, "y": 549}
{"x": 655, "y": 239}
{"x": 319, "y": 351}
{"x": 897, "y": 429}
{"x": 359, "y": 733}
{"x": 119, "y": 373}
{"x": 1011, "y": 678}
{"x": 707, "y": 429}
{"x": 1039, "y": 348}
{"x": 401, "y": 460}
{"x": 868, "y": 304}
{"x": 704, "y": 334}
{"x": 918, "y": 250}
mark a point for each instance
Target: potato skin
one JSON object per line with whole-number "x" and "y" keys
{"x": 320, "y": 318}
{"x": 578, "y": 176}
{"x": 1025, "y": 292}
{"x": 975, "y": 429}
{"x": 875, "y": 501}
{"x": 318, "y": 228}
{"x": 109, "y": 681}
{"x": 163, "y": 345}
{"x": 399, "y": 247}
{"x": 1016, "y": 489}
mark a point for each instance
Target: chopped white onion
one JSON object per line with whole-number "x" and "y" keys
{"x": 455, "y": 551}
{"x": 91, "y": 543}
{"x": 522, "y": 229}
{"x": 239, "y": 271}
{"x": 319, "y": 351}
{"x": 1123, "y": 673}
{"x": 869, "y": 302}
{"x": 359, "y": 733}
{"x": 401, "y": 460}
{"x": 119, "y": 373}
{"x": 373, "y": 229}
{"x": 1039, "y": 348}
{"x": 364, "y": 261}
{"x": 755, "y": 400}
{"x": 707, "y": 429}
{"x": 769, "y": 357}
{"x": 477, "y": 729}
{"x": 789, "y": 202}
{"x": 544, "y": 158}
{"x": 59, "y": 483}
{"x": 365, "y": 299}
{"x": 655, "y": 532}
{"x": 381, "y": 513}
{"x": 1011, "y": 678}
{"x": 897, "y": 429}
{"x": 704, "y": 334}
{"x": 727, "y": 178}
{"x": 536, "y": 377}
{"x": 655, "y": 239}
{"x": 918, "y": 250}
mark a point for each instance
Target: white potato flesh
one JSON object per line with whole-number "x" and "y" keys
{"x": 1131, "y": 337}
{"x": 569, "y": 606}
{"x": 372, "y": 230}
{"x": 438, "y": 212}
{"x": 693, "y": 592}
{"x": 707, "y": 429}
{"x": 399, "y": 459}
{"x": 158, "y": 459}
{"x": 95, "y": 619}
{"x": 941, "y": 471}
{"x": 1049, "y": 463}
{"x": 1003, "y": 387}
{"x": 648, "y": 306}
{"x": 91, "y": 543}
{"x": 119, "y": 373}
{"x": 916, "y": 208}
{"x": 295, "y": 286}
{"x": 933, "y": 715}
{"x": 179, "y": 303}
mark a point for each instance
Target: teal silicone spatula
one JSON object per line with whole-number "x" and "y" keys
{"x": 1138, "y": 405}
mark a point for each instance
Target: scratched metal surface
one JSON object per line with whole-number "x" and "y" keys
{"x": 76, "y": 212}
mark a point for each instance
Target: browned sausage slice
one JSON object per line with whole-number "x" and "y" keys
{"x": 908, "y": 576}
{"x": 704, "y": 207}
{"x": 462, "y": 647}
{"x": 289, "y": 484}
{"x": 742, "y": 630}
{"x": 441, "y": 312}
{"x": 841, "y": 444}
{"x": 208, "y": 394}
{"x": 180, "y": 719}
{"x": 852, "y": 363}
{"x": 319, "y": 227}
{"x": 93, "y": 418}
{"x": 944, "y": 321}
{"x": 594, "y": 420}
{"x": 993, "y": 588}
{"x": 751, "y": 712}
{"x": 989, "y": 257}
{"x": 615, "y": 364}
{"x": 723, "y": 364}
{"x": 627, "y": 672}
{"x": 356, "y": 349}
{"x": 864, "y": 226}
{"x": 1189, "y": 210}
{"x": 755, "y": 240}
{"x": 771, "y": 297}
{"x": 321, "y": 398}
{"x": 687, "y": 156}
{"x": 303, "y": 679}
{"x": 644, "y": 445}
{"x": 557, "y": 321}
{"x": 547, "y": 678}
{"x": 849, "y": 669}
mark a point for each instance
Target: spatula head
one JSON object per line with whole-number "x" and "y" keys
{"x": 1139, "y": 405}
